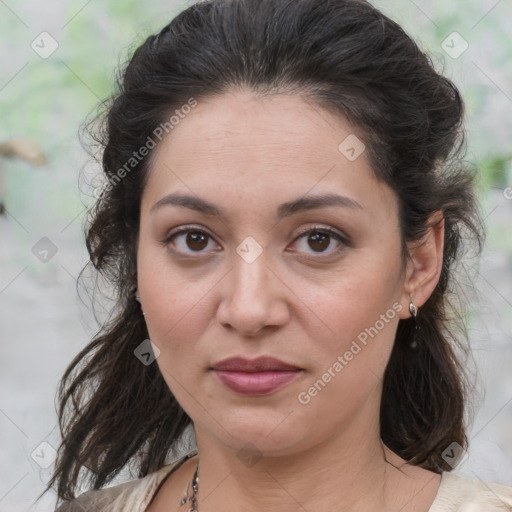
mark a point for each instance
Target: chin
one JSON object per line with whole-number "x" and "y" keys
{"x": 269, "y": 438}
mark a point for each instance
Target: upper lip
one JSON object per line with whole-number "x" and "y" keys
{"x": 260, "y": 364}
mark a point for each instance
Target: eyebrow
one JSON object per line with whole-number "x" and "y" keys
{"x": 301, "y": 204}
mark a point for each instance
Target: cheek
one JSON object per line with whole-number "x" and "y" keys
{"x": 168, "y": 291}
{"x": 349, "y": 366}
{"x": 175, "y": 314}
{"x": 356, "y": 299}
{"x": 360, "y": 314}
{"x": 173, "y": 303}
{"x": 176, "y": 320}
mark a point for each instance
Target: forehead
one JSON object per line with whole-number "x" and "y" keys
{"x": 244, "y": 124}
{"x": 236, "y": 147}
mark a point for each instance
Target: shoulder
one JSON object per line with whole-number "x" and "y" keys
{"x": 133, "y": 496}
{"x": 459, "y": 493}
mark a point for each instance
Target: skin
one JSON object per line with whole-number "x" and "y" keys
{"x": 297, "y": 301}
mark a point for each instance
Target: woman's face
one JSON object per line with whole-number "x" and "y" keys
{"x": 249, "y": 280}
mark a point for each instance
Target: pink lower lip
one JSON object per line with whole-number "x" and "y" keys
{"x": 256, "y": 383}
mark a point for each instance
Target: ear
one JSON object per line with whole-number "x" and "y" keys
{"x": 424, "y": 265}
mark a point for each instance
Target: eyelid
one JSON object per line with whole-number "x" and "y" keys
{"x": 184, "y": 229}
{"x": 342, "y": 237}
{"x": 317, "y": 227}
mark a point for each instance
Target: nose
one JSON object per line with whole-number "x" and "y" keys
{"x": 253, "y": 297}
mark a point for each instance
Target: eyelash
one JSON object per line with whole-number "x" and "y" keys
{"x": 316, "y": 229}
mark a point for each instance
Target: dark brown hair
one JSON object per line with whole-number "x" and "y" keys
{"x": 349, "y": 58}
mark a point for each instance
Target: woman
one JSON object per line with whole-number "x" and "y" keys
{"x": 284, "y": 207}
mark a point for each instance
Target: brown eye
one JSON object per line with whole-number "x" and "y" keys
{"x": 196, "y": 240}
{"x": 319, "y": 240}
{"x": 188, "y": 241}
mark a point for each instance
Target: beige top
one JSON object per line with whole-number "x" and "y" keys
{"x": 456, "y": 494}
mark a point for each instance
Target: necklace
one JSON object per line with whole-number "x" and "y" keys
{"x": 193, "y": 498}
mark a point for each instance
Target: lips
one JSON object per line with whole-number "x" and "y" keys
{"x": 260, "y": 364}
{"x": 255, "y": 377}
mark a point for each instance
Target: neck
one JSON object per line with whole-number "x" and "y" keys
{"x": 335, "y": 475}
